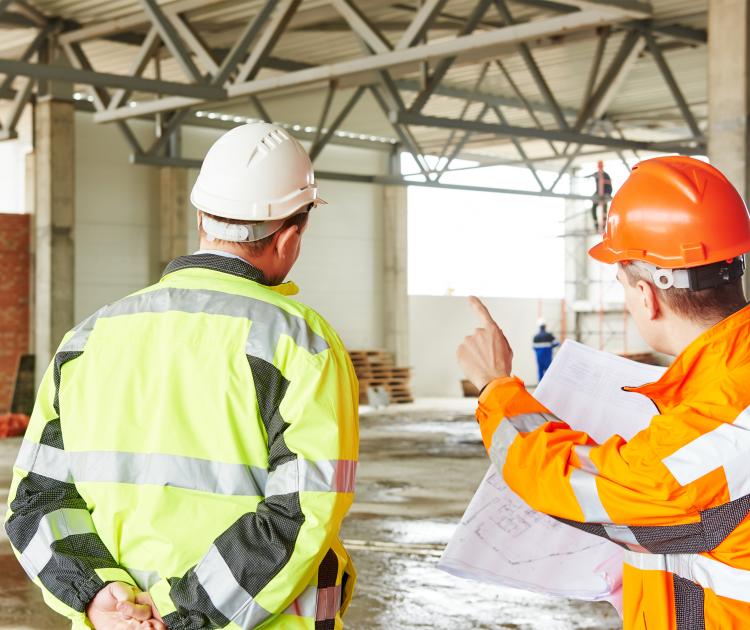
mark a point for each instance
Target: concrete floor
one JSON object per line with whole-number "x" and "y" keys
{"x": 419, "y": 468}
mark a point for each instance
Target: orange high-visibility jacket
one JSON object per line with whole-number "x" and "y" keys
{"x": 676, "y": 496}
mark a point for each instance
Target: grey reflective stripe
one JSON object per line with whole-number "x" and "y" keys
{"x": 143, "y": 578}
{"x": 27, "y": 456}
{"x": 80, "y": 336}
{"x": 501, "y": 441}
{"x": 54, "y": 526}
{"x": 584, "y": 487}
{"x": 727, "y": 446}
{"x": 528, "y": 422}
{"x": 269, "y": 321}
{"x": 227, "y": 596}
{"x": 623, "y": 534}
{"x": 305, "y": 604}
{"x": 301, "y": 475}
{"x": 329, "y": 603}
{"x": 583, "y": 451}
{"x": 159, "y": 469}
{"x": 720, "y": 578}
{"x": 545, "y": 344}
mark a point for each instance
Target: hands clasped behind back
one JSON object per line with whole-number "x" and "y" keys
{"x": 120, "y": 606}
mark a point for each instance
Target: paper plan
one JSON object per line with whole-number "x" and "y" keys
{"x": 503, "y": 541}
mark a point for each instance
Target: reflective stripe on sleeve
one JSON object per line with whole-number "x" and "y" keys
{"x": 189, "y": 473}
{"x": 54, "y": 526}
{"x": 720, "y": 578}
{"x": 269, "y": 321}
{"x": 305, "y": 604}
{"x": 305, "y": 476}
{"x": 583, "y": 482}
{"x": 507, "y": 431}
{"x": 226, "y": 594}
{"x": 584, "y": 487}
{"x": 159, "y": 469}
{"x": 727, "y": 446}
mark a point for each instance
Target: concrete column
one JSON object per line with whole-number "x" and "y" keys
{"x": 395, "y": 288}
{"x": 172, "y": 214}
{"x": 729, "y": 92}
{"x": 54, "y": 184}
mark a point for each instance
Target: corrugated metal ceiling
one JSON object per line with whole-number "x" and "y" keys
{"x": 643, "y": 104}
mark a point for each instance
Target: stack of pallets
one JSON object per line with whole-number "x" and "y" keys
{"x": 376, "y": 368}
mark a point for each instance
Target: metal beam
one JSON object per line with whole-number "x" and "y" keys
{"x": 519, "y": 148}
{"x": 172, "y": 40}
{"x": 234, "y": 57}
{"x": 268, "y": 39}
{"x": 486, "y": 44}
{"x": 444, "y": 64}
{"x": 105, "y": 79}
{"x": 570, "y": 136}
{"x": 631, "y": 8}
{"x": 320, "y": 143}
{"x": 16, "y": 109}
{"x": 196, "y": 43}
{"x": 384, "y": 180}
{"x": 147, "y": 50}
{"x": 362, "y": 26}
{"x": 533, "y": 68}
{"x": 420, "y": 24}
{"x": 33, "y": 47}
{"x": 623, "y": 61}
{"x": 669, "y": 79}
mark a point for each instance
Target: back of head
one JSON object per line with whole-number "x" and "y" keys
{"x": 686, "y": 228}
{"x": 255, "y": 180}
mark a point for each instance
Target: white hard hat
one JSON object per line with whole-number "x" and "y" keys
{"x": 255, "y": 172}
{"x": 541, "y": 322}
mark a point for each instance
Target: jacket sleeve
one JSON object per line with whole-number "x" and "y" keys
{"x": 48, "y": 523}
{"x": 269, "y": 556}
{"x": 611, "y": 489}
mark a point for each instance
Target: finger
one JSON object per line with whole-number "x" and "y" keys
{"x": 122, "y": 592}
{"x": 481, "y": 310}
{"x": 139, "y": 612}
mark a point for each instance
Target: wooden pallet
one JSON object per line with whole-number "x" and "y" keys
{"x": 376, "y": 368}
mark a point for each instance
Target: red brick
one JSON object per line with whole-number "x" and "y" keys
{"x": 14, "y": 299}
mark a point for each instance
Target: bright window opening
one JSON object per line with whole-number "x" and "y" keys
{"x": 482, "y": 243}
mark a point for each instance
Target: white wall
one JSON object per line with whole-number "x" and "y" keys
{"x": 439, "y": 324}
{"x": 339, "y": 271}
{"x": 116, "y": 217}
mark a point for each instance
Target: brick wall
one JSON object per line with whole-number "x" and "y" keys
{"x": 14, "y": 299}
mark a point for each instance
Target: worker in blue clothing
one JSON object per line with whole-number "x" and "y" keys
{"x": 544, "y": 344}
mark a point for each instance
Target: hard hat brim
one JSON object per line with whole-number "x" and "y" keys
{"x": 604, "y": 254}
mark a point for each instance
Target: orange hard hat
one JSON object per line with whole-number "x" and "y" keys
{"x": 675, "y": 212}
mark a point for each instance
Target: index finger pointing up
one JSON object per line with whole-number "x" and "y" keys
{"x": 481, "y": 311}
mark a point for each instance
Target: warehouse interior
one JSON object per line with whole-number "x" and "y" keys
{"x": 454, "y": 141}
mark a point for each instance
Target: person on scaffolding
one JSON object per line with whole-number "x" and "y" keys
{"x": 544, "y": 344}
{"x": 601, "y": 196}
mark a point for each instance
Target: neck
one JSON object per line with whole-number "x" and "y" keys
{"x": 680, "y": 333}
{"x": 262, "y": 262}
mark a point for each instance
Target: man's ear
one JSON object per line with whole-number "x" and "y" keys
{"x": 649, "y": 299}
{"x": 286, "y": 241}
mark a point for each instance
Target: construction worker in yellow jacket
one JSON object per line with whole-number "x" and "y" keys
{"x": 192, "y": 451}
{"x": 677, "y": 495}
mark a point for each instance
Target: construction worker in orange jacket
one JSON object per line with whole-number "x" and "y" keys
{"x": 677, "y": 495}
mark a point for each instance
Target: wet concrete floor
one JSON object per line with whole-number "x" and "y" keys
{"x": 419, "y": 469}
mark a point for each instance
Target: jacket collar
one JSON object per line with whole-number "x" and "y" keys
{"x": 706, "y": 360}
{"x": 229, "y": 265}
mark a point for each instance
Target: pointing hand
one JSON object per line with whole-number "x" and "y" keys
{"x": 485, "y": 355}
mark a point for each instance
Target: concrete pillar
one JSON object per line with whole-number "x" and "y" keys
{"x": 729, "y": 92}
{"x": 172, "y": 214}
{"x": 395, "y": 288}
{"x": 54, "y": 197}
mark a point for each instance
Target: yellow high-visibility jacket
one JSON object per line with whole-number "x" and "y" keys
{"x": 676, "y": 496}
{"x": 197, "y": 439}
